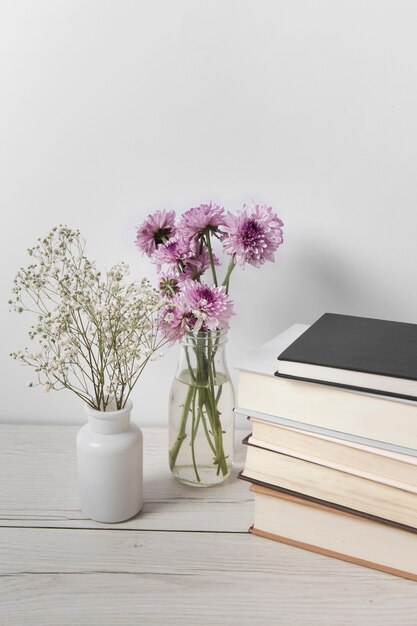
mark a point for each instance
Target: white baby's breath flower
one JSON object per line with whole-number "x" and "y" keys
{"x": 95, "y": 332}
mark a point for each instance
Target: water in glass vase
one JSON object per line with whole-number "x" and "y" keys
{"x": 201, "y": 413}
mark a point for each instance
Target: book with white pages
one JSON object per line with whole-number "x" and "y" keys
{"x": 321, "y": 482}
{"x": 389, "y": 468}
{"x": 338, "y": 533}
{"x": 384, "y": 422}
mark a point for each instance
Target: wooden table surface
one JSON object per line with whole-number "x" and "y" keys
{"x": 186, "y": 559}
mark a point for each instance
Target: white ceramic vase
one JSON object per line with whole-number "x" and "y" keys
{"x": 110, "y": 465}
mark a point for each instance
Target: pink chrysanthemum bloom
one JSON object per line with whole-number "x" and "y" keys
{"x": 253, "y": 235}
{"x": 210, "y": 306}
{"x": 168, "y": 284}
{"x": 156, "y": 229}
{"x": 196, "y": 265}
{"x": 196, "y": 221}
{"x": 173, "y": 254}
{"x": 174, "y": 319}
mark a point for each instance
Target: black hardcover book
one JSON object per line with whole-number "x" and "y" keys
{"x": 355, "y": 352}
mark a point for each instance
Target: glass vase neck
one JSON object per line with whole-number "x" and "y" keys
{"x": 205, "y": 339}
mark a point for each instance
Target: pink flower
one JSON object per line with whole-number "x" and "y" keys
{"x": 183, "y": 257}
{"x": 168, "y": 284}
{"x": 174, "y": 319}
{"x": 156, "y": 229}
{"x": 174, "y": 253}
{"x": 197, "y": 307}
{"x": 210, "y": 306}
{"x": 197, "y": 221}
{"x": 253, "y": 235}
{"x": 195, "y": 266}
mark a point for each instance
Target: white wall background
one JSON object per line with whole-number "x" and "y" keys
{"x": 110, "y": 109}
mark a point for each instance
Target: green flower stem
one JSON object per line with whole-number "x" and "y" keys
{"x": 219, "y": 393}
{"x": 210, "y": 251}
{"x": 204, "y": 422}
{"x": 173, "y": 453}
{"x": 201, "y": 374}
{"x": 194, "y": 428}
{"x": 230, "y": 269}
{"x": 221, "y": 460}
{"x": 196, "y": 417}
{"x": 190, "y": 369}
{"x": 213, "y": 351}
{"x": 202, "y": 402}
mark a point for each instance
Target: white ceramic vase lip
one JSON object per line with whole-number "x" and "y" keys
{"x": 109, "y": 422}
{"x": 108, "y": 416}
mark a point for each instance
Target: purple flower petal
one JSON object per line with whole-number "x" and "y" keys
{"x": 158, "y": 228}
{"x": 206, "y": 217}
{"x": 253, "y": 235}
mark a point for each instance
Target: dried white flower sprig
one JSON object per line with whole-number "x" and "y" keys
{"x": 95, "y": 333}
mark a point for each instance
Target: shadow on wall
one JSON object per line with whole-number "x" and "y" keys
{"x": 322, "y": 280}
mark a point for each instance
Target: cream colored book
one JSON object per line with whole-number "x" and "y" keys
{"x": 331, "y": 485}
{"x": 391, "y": 468}
{"x": 371, "y": 419}
{"x": 339, "y": 534}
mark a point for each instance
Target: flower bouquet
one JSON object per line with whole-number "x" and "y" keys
{"x": 196, "y": 312}
{"x": 95, "y": 333}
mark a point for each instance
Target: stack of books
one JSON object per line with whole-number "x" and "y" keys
{"x": 332, "y": 456}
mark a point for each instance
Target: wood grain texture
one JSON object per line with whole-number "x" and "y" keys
{"x": 187, "y": 559}
{"x": 107, "y": 577}
{"x": 39, "y": 464}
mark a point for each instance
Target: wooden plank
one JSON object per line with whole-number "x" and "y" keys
{"x": 105, "y": 574}
{"x": 108, "y": 577}
{"x": 39, "y": 486}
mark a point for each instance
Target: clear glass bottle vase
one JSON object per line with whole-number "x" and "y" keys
{"x": 201, "y": 418}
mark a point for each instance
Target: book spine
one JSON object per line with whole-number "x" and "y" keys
{"x": 348, "y": 469}
{"x": 336, "y": 555}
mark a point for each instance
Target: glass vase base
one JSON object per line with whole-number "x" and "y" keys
{"x": 208, "y": 477}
